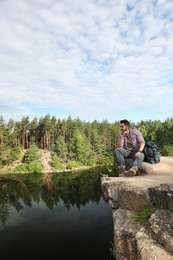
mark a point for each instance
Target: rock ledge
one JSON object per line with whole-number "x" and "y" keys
{"x": 126, "y": 196}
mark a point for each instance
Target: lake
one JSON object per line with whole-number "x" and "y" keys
{"x": 58, "y": 216}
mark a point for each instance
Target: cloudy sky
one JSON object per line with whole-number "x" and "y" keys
{"x": 92, "y": 59}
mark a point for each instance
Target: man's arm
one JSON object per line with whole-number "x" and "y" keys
{"x": 141, "y": 148}
{"x": 121, "y": 142}
{"x": 141, "y": 140}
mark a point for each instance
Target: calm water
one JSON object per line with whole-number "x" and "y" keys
{"x": 59, "y": 217}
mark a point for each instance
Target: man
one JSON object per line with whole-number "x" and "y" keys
{"x": 130, "y": 145}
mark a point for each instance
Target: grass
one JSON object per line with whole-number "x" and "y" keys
{"x": 143, "y": 215}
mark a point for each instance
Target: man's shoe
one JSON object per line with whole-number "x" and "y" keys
{"x": 130, "y": 173}
{"x": 121, "y": 169}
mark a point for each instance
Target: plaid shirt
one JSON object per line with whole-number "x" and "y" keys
{"x": 135, "y": 137}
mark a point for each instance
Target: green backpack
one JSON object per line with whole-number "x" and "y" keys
{"x": 151, "y": 152}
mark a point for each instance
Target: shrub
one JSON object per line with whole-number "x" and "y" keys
{"x": 33, "y": 167}
{"x": 21, "y": 168}
{"x": 8, "y": 154}
{"x": 56, "y": 163}
{"x": 167, "y": 150}
{"x": 73, "y": 164}
{"x": 32, "y": 154}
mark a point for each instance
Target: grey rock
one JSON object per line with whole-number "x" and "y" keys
{"x": 153, "y": 186}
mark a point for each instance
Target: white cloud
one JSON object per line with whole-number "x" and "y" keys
{"x": 91, "y": 59}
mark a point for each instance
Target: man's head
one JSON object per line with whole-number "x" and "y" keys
{"x": 124, "y": 125}
{"x": 125, "y": 122}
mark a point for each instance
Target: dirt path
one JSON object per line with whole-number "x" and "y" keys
{"x": 46, "y": 160}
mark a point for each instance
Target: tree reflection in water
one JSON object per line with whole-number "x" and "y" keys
{"x": 79, "y": 223}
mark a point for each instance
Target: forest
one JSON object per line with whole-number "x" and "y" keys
{"x": 73, "y": 142}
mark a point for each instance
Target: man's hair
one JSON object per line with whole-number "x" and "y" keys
{"x": 125, "y": 121}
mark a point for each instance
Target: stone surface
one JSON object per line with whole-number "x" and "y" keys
{"x": 148, "y": 249}
{"x": 127, "y": 195}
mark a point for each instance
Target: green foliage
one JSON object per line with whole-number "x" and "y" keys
{"x": 144, "y": 214}
{"x": 15, "y": 152}
{"x": 106, "y": 160}
{"x": 56, "y": 163}
{"x": 31, "y": 161}
{"x": 5, "y": 155}
{"x": 22, "y": 168}
{"x": 35, "y": 167}
{"x": 167, "y": 150}
{"x": 32, "y": 154}
{"x": 81, "y": 147}
{"x": 104, "y": 175}
{"x": 32, "y": 167}
{"x": 73, "y": 164}
{"x": 61, "y": 147}
{"x": 108, "y": 171}
{"x": 9, "y": 154}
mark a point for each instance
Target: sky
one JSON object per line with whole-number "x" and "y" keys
{"x": 88, "y": 59}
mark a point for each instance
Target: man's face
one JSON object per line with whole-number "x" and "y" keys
{"x": 123, "y": 127}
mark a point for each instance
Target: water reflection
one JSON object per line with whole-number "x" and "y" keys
{"x": 63, "y": 215}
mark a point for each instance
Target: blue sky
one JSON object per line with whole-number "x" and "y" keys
{"x": 92, "y": 59}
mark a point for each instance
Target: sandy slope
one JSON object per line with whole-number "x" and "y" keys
{"x": 46, "y": 160}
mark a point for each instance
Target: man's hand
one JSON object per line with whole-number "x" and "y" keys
{"x": 125, "y": 133}
{"x": 137, "y": 154}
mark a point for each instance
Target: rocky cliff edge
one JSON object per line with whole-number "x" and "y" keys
{"x": 126, "y": 196}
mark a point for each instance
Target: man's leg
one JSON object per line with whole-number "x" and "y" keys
{"x": 136, "y": 163}
{"x": 121, "y": 154}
